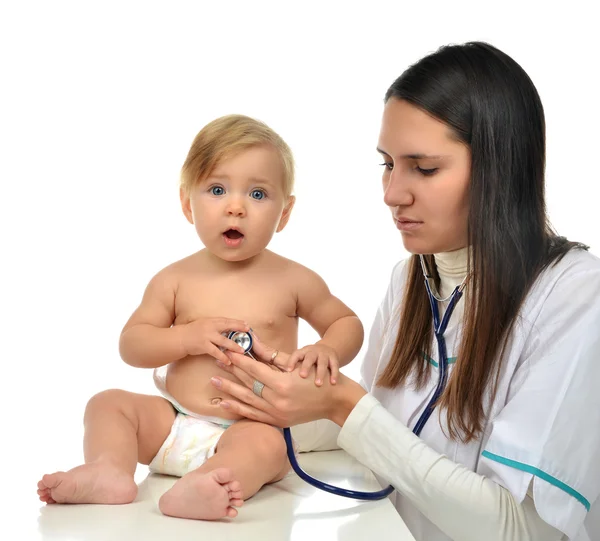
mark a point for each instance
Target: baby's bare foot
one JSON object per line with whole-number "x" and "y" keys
{"x": 90, "y": 483}
{"x": 206, "y": 496}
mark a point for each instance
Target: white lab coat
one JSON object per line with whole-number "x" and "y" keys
{"x": 543, "y": 428}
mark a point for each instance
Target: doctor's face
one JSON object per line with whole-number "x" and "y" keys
{"x": 425, "y": 179}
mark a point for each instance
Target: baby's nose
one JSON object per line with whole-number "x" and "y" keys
{"x": 236, "y": 209}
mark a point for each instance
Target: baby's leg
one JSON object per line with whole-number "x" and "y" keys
{"x": 249, "y": 455}
{"x": 121, "y": 429}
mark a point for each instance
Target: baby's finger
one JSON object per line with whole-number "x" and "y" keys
{"x": 322, "y": 365}
{"x": 294, "y": 359}
{"x": 223, "y": 342}
{"x": 334, "y": 367}
{"x": 219, "y": 355}
{"x": 309, "y": 359}
{"x": 223, "y": 324}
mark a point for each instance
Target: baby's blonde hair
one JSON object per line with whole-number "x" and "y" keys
{"x": 223, "y": 138}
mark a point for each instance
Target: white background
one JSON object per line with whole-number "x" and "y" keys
{"x": 100, "y": 102}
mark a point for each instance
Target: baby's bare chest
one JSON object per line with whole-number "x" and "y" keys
{"x": 263, "y": 303}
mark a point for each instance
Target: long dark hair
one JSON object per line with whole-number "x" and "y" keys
{"x": 492, "y": 106}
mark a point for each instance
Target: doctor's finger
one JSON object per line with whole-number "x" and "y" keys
{"x": 246, "y": 379}
{"x": 243, "y": 394}
{"x": 249, "y": 412}
{"x": 266, "y": 353}
{"x": 255, "y": 369}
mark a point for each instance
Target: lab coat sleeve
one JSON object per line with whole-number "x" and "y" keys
{"x": 548, "y": 433}
{"x": 463, "y": 504}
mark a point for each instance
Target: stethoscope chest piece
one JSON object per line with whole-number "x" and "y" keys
{"x": 242, "y": 339}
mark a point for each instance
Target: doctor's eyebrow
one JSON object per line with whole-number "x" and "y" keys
{"x": 418, "y": 156}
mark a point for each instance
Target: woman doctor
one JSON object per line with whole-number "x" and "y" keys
{"x": 512, "y": 450}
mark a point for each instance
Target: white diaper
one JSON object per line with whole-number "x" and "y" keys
{"x": 190, "y": 444}
{"x": 193, "y": 438}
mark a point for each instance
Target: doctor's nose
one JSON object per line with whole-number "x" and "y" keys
{"x": 396, "y": 192}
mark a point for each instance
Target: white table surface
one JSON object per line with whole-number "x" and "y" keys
{"x": 287, "y": 510}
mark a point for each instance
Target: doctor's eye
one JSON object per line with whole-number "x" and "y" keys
{"x": 388, "y": 165}
{"x": 217, "y": 190}
{"x": 258, "y": 194}
{"x": 427, "y": 172}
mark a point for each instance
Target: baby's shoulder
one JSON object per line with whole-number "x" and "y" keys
{"x": 178, "y": 270}
{"x": 289, "y": 268}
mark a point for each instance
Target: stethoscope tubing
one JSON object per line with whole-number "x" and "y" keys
{"x": 439, "y": 330}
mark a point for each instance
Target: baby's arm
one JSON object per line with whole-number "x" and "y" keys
{"x": 148, "y": 340}
{"x": 339, "y": 327}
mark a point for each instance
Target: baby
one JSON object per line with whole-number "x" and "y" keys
{"x": 236, "y": 186}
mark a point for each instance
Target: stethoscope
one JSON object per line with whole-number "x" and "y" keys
{"x": 244, "y": 340}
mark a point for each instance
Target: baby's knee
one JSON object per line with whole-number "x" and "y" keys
{"x": 107, "y": 400}
{"x": 268, "y": 442}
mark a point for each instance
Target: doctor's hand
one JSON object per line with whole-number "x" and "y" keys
{"x": 286, "y": 398}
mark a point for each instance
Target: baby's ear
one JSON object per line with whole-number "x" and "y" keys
{"x": 285, "y": 215}
{"x": 186, "y": 205}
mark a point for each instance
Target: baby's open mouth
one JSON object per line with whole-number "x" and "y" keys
{"x": 233, "y": 234}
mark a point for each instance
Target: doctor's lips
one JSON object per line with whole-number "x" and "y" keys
{"x": 404, "y": 223}
{"x": 233, "y": 237}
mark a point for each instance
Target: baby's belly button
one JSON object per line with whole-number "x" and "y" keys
{"x": 204, "y": 397}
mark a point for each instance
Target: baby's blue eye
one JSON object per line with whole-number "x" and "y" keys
{"x": 257, "y": 194}
{"x": 217, "y": 190}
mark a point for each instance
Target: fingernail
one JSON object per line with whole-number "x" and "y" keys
{"x": 303, "y": 374}
{"x": 216, "y": 382}
{"x": 220, "y": 364}
{"x": 224, "y": 405}
{"x": 318, "y": 382}
{"x": 289, "y": 368}
{"x": 334, "y": 381}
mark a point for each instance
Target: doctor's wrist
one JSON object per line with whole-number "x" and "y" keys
{"x": 346, "y": 394}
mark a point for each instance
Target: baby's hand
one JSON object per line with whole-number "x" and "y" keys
{"x": 325, "y": 358}
{"x": 205, "y": 336}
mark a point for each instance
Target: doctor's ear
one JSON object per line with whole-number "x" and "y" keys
{"x": 186, "y": 205}
{"x": 285, "y": 215}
